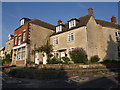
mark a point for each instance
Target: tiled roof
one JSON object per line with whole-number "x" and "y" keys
{"x": 43, "y": 24}
{"x": 107, "y": 24}
{"x": 82, "y": 21}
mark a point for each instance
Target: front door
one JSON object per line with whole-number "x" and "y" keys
{"x": 62, "y": 54}
{"x": 36, "y": 58}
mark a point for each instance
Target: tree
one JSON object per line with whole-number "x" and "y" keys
{"x": 45, "y": 49}
{"x": 7, "y": 59}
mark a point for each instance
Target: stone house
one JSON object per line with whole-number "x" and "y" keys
{"x": 96, "y": 37}
{"x": 9, "y": 45}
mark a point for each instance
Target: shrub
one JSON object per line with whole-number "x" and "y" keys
{"x": 7, "y": 59}
{"x": 31, "y": 62}
{"x": 110, "y": 61}
{"x": 54, "y": 61}
{"x": 78, "y": 55}
{"x": 94, "y": 59}
{"x": 66, "y": 60}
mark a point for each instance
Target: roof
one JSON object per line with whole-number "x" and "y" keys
{"x": 107, "y": 24}
{"x": 43, "y": 24}
{"x": 82, "y": 21}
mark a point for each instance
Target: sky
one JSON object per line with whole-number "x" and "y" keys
{"x": 50, "y": 12}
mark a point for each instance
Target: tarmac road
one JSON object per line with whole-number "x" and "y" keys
{"x": 105, "y": 82}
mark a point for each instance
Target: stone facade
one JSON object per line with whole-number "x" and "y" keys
{"x": 94, "y": 38}
{"x": 9, "y": 47}
{"x": 39, "y": 36}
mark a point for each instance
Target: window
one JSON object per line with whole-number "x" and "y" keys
{"x": 24, "y": 36}
{"x": 58, "y": 28}
{"x": 22, "y": 22}
{"x": 70, "y": 37}
{"x": 72, "y": 23}
{"x": 118, "y": 36}
{"x": 19, "y": 40}
{"x": 18, "y": 54}
{"x": 15, "y": 40}
{"x": 23, "y": 53}
{"x": 56, "y": 41}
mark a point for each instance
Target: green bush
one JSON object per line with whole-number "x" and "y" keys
{"x": 78, "y": 55}
{"x": 94, "y": 59}
{"x": 54, "y": 61}
{"x": 110, "y": 61}
{"x": 7, "y": 59}
{"x": 31, "y": 62}
{"x": 66, "y": 60}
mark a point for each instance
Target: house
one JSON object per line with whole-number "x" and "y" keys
{"x": 31, "y": 34}
{"x": 96, "y": 37}
{"x": 9, "y": 45}
{"x": 2, "y": 53}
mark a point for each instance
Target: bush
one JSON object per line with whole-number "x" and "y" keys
{"x": 54, "y": 61}
{"x": 110, "y": 61}
{"x": 94, "y": 59}
{"x": 66, "y": 60}
{"x": 78, "y": 55}
{"x": 31, "y": 62}
{"x": 7, "y": 59}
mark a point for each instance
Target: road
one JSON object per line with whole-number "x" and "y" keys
{"x": 107, "y": 81}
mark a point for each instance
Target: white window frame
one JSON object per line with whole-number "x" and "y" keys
{"x": 19, "y": 40}
{"x": 71, "y": 37}
{"x": 58, "y": 28}
{"x": 72, "y": 24}
{"x": 22, "y": 22}
{"x": 55, "y": 41}
{"x": 118, "y": 36}
{"x": 23, "y": 53}
{"x": 15, "y": 40}
{"x": 24, "y": 36}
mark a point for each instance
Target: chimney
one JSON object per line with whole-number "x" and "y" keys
{"x": 59, "y": 21}
{"x": 113, "y": 19}
{"x": 90, "y": 11}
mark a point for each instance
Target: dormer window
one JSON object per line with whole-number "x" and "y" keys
{"x": 22, "y": 22}
{"x": 72, "y": 23}
{"x": 59, "y": 28}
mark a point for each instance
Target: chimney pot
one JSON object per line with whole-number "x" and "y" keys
{"x": 113, "y": 19}
{"x": 90, "y": 11}
{"x": 59, "y": 21}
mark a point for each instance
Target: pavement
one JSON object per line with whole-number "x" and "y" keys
{"x": 105, "y": 81}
